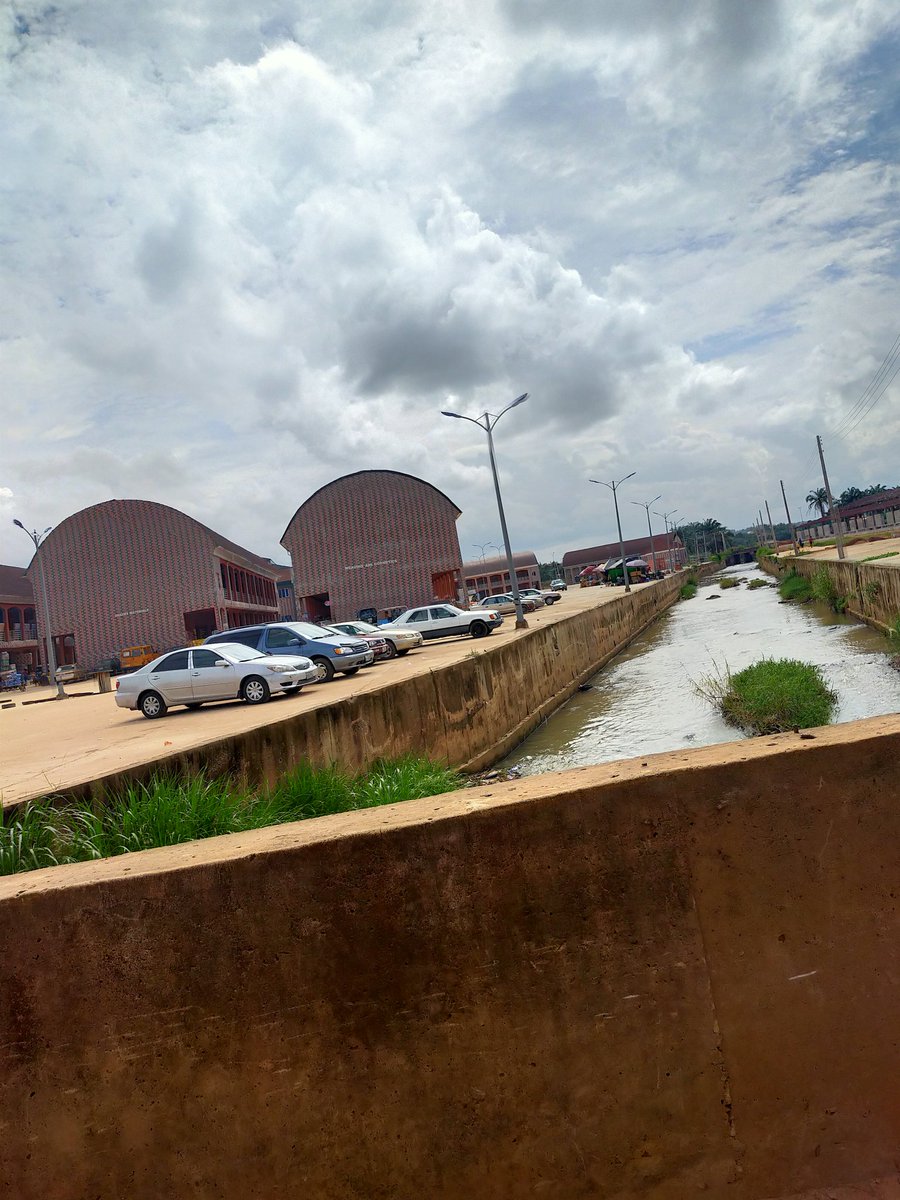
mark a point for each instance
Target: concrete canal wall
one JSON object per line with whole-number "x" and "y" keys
{"x": 468, "y": 714}
{"x": 662, "y": 978}
{"x": 872, "y": 589}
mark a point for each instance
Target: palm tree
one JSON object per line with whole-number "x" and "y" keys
{"x": 818, "y": 499}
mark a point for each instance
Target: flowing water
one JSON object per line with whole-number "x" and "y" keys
{"x": 645, "y": 700}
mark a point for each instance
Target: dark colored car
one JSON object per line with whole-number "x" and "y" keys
{"x": 330, "y": 652}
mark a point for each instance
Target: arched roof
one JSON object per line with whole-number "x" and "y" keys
{"x": 133, "y": 507}
{"x": 355, "y": 475}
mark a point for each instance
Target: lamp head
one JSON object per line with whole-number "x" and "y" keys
{"x": 519, "y": 399}
{"x": 16, "y": 521}
{"x": 444, "y": 413}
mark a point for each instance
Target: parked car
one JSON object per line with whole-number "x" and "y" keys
{"x": 400, "y": 641}
{"x": 446, "y": 620}
{"x": 379, "y": 645}
{"x": 559, "y": 585}
{"x": 330, "y": 652}
{"x": 507, "y": 604}
{"x": 547, "y": 594}
{"x": 193, "y": 676}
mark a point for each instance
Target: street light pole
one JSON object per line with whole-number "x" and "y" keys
{"x": 670, "y": 549}
{"x": 487, "y": 421}
{"x": 38, "y": 538}
{"x": 613, "y": 486}
{"x": 646, "y": 508}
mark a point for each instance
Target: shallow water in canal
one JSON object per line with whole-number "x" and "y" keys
{"x": 645, "y": 701}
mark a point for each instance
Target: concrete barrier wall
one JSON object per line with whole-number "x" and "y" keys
{"x": 659, "y": 978}
{"x": 872, "y": 590}
{"x": 468, "y": 714}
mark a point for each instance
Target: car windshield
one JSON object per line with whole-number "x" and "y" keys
{"x": 236, "y": 652}
{"x": 364, "y": 627}
{"x": 313, "y": 632}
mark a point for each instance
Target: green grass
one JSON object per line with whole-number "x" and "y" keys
{"x": 772, "y": 696}
{"x": 793, "y": 587}
{"x": 688, "y": 590}
{"x": 875, "y": 557}
{"x": 724, "y": 584}
{"x": 824, "y": 590}
{"x": 166, "y": 811}
{"x": 753, "y": 584}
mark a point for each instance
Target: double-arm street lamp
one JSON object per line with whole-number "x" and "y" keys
{"x": 487, "y": 421}
{"x": 38, "y": 538}
{"x": 646, "y": 507}
{"x": 613, "y": 485}
{"x": 669, "y": 547}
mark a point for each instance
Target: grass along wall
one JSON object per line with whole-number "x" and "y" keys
{"x": 872, "y": 589}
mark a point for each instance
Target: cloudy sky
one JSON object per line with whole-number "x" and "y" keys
{"x": 247, "y": 247}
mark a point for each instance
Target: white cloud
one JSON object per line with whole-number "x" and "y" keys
{"x": 237, "y": 239}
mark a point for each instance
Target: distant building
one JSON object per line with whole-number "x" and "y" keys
{"x": 370, "y": 542}
{"x": 490, "y": 576}
{"x": 670, "y": 554}
{"x": 879, "y": 511}
{"x": 136, "y": 573}
{"x": 19, "y": 646}
{"x": 284, "y": 586}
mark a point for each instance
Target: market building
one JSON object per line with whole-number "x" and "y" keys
{"x": 19, "y": 645}
{"x": 371, "y": 542}
{"x": 490, "y": 576}
{"x": 668, "y": 551}
{"x": 136, "y": 573}
{"x": 878, "y": 511}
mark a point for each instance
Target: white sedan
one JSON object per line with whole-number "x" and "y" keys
{"x": 446, "y": 620}
{"x": 198, "y": 674}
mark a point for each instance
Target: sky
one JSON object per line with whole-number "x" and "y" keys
{"x": 246, "y": 248}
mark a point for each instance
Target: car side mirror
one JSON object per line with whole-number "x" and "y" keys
{"x": 220, "y": 662}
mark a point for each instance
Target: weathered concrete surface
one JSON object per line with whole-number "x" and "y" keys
{"x": 656, "y": 978}
{"x": 466, "y": 702}
{"x": 872, "y": 588}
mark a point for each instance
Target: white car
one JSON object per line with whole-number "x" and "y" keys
{"x": 445, "y": 620}
{"x": 197, "y": 674}
{"x": 400, "y": 640}
{"x": 547, "y": 594}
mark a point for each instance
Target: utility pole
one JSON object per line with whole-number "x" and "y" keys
{"x": 787, "y": 513}
{"x": 838, "y": 532}
{"x": 646, "y": 508}
{"x": 765, "y": 538}
{"x": 613, "y": 486}
{"x": 670, "y": 548}
{"x": 772, "y": 528}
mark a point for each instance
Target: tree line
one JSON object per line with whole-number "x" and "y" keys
{"x": 817, "y": 499}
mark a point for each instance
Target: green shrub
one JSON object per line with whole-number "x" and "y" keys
{"x": 793, "y": 587}
{"x": 165, "y": 811}
{"x": 688, "y": 590}
{"x": 728, "y": 583}
{"x": 824, "y": 589}
{"x": 772, "y": 696}
{"x": 765, "y": 552}
{"x": 761, "y": 583}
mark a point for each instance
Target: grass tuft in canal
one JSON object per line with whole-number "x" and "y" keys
{"x": 773, "y": 695}
{"x": 166, "y": 811}
{"x": 728, "y": 583}
{"x": 795, "y": 587}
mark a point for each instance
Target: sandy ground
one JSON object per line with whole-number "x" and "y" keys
{"x": 860, "y": 550}
{"x": 61, "y": 743}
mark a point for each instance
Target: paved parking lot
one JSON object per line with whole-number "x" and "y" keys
{"x": 60, "y": 744}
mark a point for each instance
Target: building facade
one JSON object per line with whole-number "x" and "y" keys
{"x": 371, "y": 542}
{"x": 137, "y": 573}
{"x": 668, "y": 550}
{"x": 19, "y": 645}
{"x": 879, "y": 511}
{"x": 490, "y": 576}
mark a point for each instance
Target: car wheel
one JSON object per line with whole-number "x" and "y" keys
{"x": 478, "y": 629}
{"x": 152, "y": 705}
{"x": 325, "y": 669}
{"x": 391, "y": 651}
{"x": 194, "y": 704}
{"x": 400, "y": 653}
{"x": 353, "y": 670}
{"x": 255, "y": 690}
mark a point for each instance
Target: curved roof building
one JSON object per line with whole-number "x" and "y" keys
{"x": 373, "y": 541}
{"x": 137, "y": 573}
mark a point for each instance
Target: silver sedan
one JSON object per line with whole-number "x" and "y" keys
{"x": 198, "y": 674}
